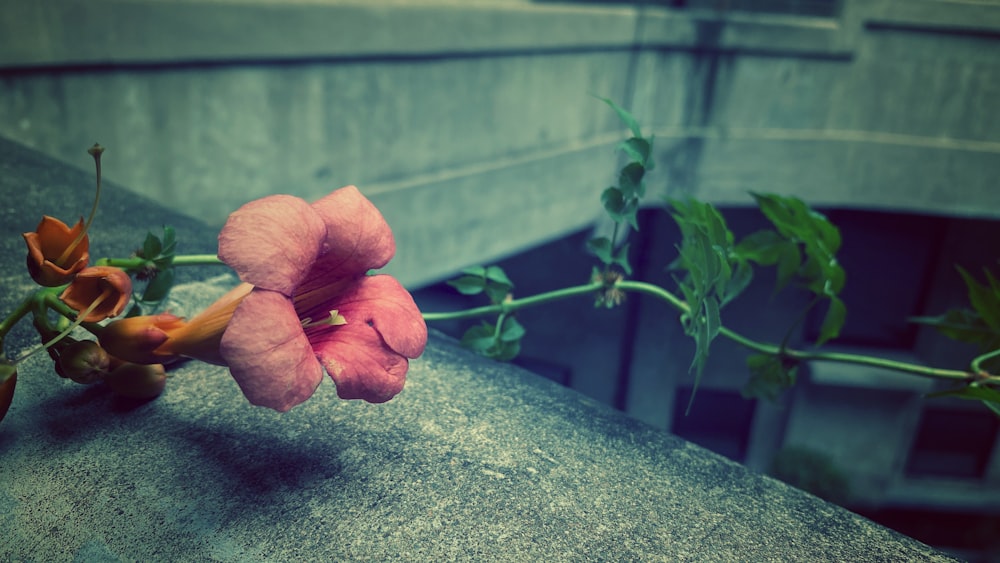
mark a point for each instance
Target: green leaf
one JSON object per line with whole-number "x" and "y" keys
{"x": 469, "y": 284}
{"x": 769, "y": 376}
{"x": 963, "y": 325}
{"x": 512, "y": 330}
{"x": 836, "y": 314}
{"x": 976, "y": 392}
{"x": 601, "y": 247}
{"x": 638, "y": 150}
{"x": 619, "y": 207}
{"x": 479, "y": 338}
{"x": 741, "y": 278}
{"x": 169, "y": 241}
{"x": 497, "y": 275}
{"x": 151, "y": 246}
{"x": 625, "y": 116}
{"x": 478, "y": 271}
{"x": 985, "y": 300}
{"x": 621, "y": 258}
{"x": 630, "y": 181}
{"x": 497, "y": 292}
{"x": 993, "y": 406}
{"x": 506, "y": 351}
{"x": 159, "y": 286}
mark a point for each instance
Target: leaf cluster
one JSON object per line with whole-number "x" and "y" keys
{"x": 802, "y": 245}
{"x": 979, "y": 325}
{"x": 621, "y": 202}
{"x": 500, "y": 340}
{"x": 712, "y": 274}
{"x": 158, "y": 272}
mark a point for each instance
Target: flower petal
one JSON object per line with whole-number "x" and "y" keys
{"x": 268, "y": 352}
{"x": 46, "y": 245}
{"x": 112, "y": 286}
{"x": 367, "y": 357}
{"x": 272, "y": 242}
{"x": 360, "y": 363}
{"x": 357, "y": 237}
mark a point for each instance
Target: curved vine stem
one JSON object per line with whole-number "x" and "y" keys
{"x": 682, "y": 307}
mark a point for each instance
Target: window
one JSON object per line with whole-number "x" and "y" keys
{"x": 953, "y": 443}
{"x": 719, "y": 421}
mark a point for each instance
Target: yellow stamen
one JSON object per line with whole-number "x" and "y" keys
{"x": 335, "y": 319}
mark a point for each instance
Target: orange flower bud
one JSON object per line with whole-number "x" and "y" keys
{"x": 137, "y": 381}
{"x": 99, "y": 292}
{"x": 56, "y": 252}
{"x": 136, "y": 339}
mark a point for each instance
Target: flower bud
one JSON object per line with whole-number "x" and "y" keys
{"x": 137, "y": 381}
{"x": 135, "y": 339}
{"x": 84, "y": 362}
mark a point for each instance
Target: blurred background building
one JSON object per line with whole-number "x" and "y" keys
{"x": 473, "y": 126}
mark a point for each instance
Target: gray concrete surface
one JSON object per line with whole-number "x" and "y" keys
{"x": 474, "y": 460}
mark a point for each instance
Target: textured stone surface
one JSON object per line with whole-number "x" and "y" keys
{"x": 473, "y": 461}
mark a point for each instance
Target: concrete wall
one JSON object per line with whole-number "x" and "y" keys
{"x": 471, "y": 125}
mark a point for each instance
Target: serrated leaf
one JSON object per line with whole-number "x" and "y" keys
{"x": 963, "y": 325}
{"x": 833, "y": 321}
{"x": 984, "y": 300}
{"x": 625, "y": 116}
{"x": 769, "y": 376}
{"x": 762, "y": 247}
{"x": 469, "y": 285}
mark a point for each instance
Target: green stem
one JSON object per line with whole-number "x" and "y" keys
{"x": 53, "y": 302}
{"x": 22, "y": 309}
{"x": 180, "y": 260}
{"x": 514, "y": 305}
{"x": 978, "y": 360}
{"x": 680, "y": 305}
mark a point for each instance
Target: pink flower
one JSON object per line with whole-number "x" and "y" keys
{"x": 313, "y": 306}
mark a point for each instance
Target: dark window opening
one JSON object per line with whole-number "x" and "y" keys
{"x": 953, "y": 443}
{"x": 719, "y": 421}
